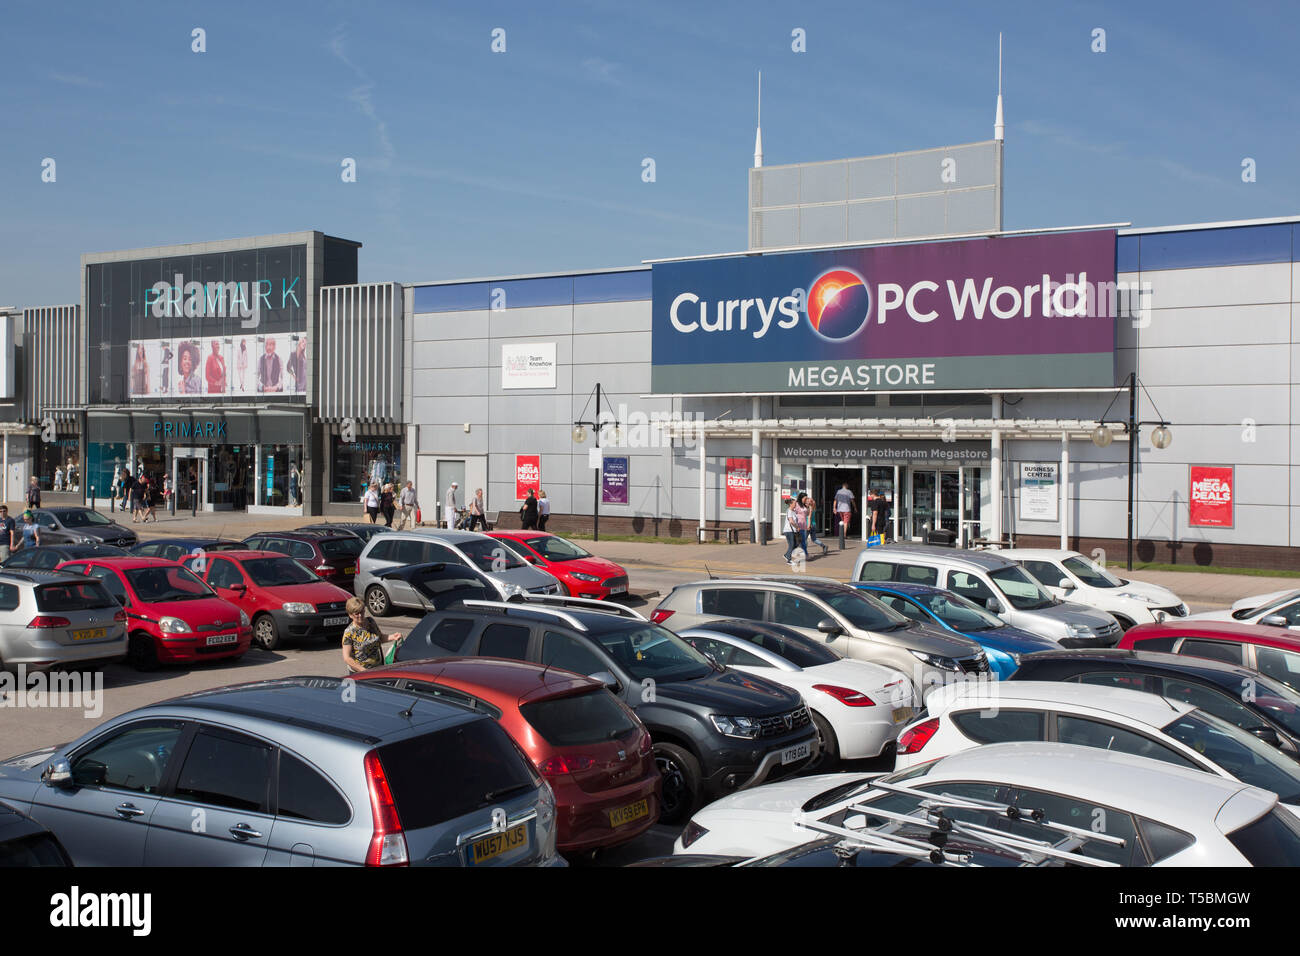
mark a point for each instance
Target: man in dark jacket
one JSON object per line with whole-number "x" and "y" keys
{"x": 529, "y": 512}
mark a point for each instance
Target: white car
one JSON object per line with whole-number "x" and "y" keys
{"x": 858, "y": 706}
{"x": 1070, "y": 576}
{"x": 1253, "y": 610}
{"x": 962, "y": 716}
{"x": 1153, "y": 813}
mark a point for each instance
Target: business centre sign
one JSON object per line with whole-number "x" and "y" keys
{"x": 1017, "y": 312}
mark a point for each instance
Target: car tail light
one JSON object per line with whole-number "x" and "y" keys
{"x": 356, "y": 566}
{"x": 324, "y": 570}
{"x": 645, "y": 746}
{"x": 49, "y": 620}
{"x": 915, "y": 738}
{"x": 567, "y": 763}
{"x": 846, "y": 696}
{"x": 387, "y": 843}
{"x": 659, "y": 615}
{"x": 120, "y": 616}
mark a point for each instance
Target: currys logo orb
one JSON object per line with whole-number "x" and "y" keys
{"x": 838, "y": 304}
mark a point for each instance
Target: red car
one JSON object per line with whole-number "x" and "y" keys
{"x": 592, "y": 749}
{"x": 1271, "y": 651}
{"x": 172, "y": 616}
{"x": 282, "y": 597}
{"x": 581, "y": 572}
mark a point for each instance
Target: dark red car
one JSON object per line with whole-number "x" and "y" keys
{"x": 282, "y": 597}
{"x": 581, "y": 572}
{"x": 1269, "y": 650}
{"x": 332, "y": 555}
{"x": 591, "y": 747}
{"x": 172, "y": 617}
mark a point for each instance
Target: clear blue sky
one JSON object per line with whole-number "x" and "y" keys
{"x": 472, "y": 163}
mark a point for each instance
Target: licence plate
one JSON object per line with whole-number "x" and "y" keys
{"x": 901, "y": 714}
{"x": 89, "y": 634}
{"x": 791, "y": 754}
{"x": 629, "y": 813}
{"x": 334, "y": 621}
{"x": 618, "y": 589}
{"x": 495, "y": 844}
{"x": 216, "y": 639}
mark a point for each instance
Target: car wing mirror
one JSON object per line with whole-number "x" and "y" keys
{"x": 992, "y": 604}
{"x": 828, "y": 627}
{"x": 1268, "y": 735}
{"x": 608, "y": 679}
{"x": 58, "y": 774}
{"x": 1274, "y": 620}
{"x": 1066, "y": 584}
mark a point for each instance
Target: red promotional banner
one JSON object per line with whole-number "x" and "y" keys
{"x": 1211, "y": 497}
{"x": 740, "y": 486}
{"x": 528, "y": 474}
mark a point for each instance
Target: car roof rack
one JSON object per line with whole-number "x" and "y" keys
{"x": 522, "y": 606}
{"x": 584, "y": 604}
{"x": 792, "y": 580}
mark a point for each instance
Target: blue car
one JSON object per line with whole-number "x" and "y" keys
{"x": 1003, "y": 643}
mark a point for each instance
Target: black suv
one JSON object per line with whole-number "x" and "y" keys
{"x": 715, "y": 730}
{"x": 331, "y": 554}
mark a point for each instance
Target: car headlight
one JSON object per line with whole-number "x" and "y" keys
{"x": 243, "y": 620}
{"x": 934, "y": 660}
{"x": 1078, "y": 630}
{"x": 173, "y": 625}
{"x": 510, "y": 589}
{"x": 692, "y": 833}
{"x": 298, "y": 607}
{"x": 1015, "y": 658}
{"x": 745, "y": 727}
{"x": 585, "y": 577}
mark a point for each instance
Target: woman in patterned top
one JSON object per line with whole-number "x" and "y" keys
{"x": 363, "y": 645}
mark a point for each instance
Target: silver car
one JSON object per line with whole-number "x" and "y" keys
{"x": 994, "y": 582}
{"x": 302, "y": 771}
{"x": 55, "y": 619}
{"x": 424, "y": 546}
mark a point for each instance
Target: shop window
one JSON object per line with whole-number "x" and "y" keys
{"x": 58, "y": 464}
{"x": 356, "y": 465}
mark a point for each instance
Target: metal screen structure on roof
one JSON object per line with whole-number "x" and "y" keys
{"x": 360, "y": 353}
{"x": 51, "y": 367}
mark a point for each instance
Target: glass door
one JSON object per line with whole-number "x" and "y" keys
{"x": 924, "y": 487}
{"x": 949, "y": 500}
{"x": 970, "y": 506}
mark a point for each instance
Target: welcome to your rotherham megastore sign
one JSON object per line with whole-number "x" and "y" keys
{"x": 1017, "y": 312}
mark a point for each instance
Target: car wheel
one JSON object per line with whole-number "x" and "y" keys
{"x": 828, "y": 747}
{"x": 1123, "y": 622}
{"x": 377, "y": 601}
{"x": 681, "y": 782}
{"x": 265, "y": 634}
{"x": 142, "y": 652}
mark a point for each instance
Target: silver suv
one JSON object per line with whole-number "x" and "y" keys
{"x": 292, "y": 772}
{"x": 850, "y": 621}
{"x": 399, "y": 549}
{"x": 55, "y": 619}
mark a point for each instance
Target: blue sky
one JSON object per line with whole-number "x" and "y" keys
{"x": 473, "y": 163}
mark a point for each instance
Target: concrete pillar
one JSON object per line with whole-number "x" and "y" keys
{"x": 995, "y": 466}
{"x": 704, "y": 472}
{"x": 756, "y": 451}
{"x": 1065, "y": 490}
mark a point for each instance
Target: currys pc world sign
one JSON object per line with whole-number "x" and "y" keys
{"x": 1016, "y": 312}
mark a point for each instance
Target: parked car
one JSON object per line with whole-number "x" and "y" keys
{"x": 173, "y": 617}
{"x": 1243, "y": 697}
{"x": 1003, "y": 644}
{"x": 51, "y": 618}
{"x": 280, "y": 596}
{"x": 291, "y": 772}
{"x": 175, "y": 549}
{"x": 75, "y": 525}
{"x": 591, "y": 747}
{"x": 50, "y": 556}
{"x": 714, "y": 730}
{"x": 1268, "y": 650}
{"x": 24, "y": 842}
{"x": 995, "y": 583}
{"x": 330, "y": 555}
{"x": 582, "y": 573}
{"x": 1068, "y": 575}
{"x": 857, "y": 707}
{"x": 1111, "y": 718}
{"x": 1155, "y": 814}
{"x": 1277, "y": 609}
{"x": 361, "y": 529}
{"x": 431, "y": 546}
{"x": 849, "y": 621}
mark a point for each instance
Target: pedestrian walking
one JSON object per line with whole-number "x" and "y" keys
{"x": 528, "y": 513}
{"x": 371, "y": 501}
{"x": 543, "y": 511}
{"x": 845, "y": 506}
{"x": 386, "y": 507}
{"x": 33, "y": 493}
{"x": 169, "y": 499}
{"x": 363, "y": 642}
{"x": 148, "y": 502}
{"x": 787, "y": 529}
{"x": 451, "y": 504}
{"x": 799, "y": 523}
{"x": 409, "y": 504}
{"x": 124, "y": 489}
{"x": 477, "y": 516}
{"x": 811, "y": 505}
{"x": 8, "y": 531}
{"x": 30, "y": 530}
{"x": 880, "y": 516}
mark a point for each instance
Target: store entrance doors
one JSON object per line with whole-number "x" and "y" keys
{"x": 190, "y": 478}
{"x": 826, "y": 482}
{"x": 947, "y": 500}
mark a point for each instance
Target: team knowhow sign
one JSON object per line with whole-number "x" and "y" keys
{"x": 1039, "y": 491}
{"x": 530, "y": 365}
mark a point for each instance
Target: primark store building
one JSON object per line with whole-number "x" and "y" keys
{"x": 880, "y": 331}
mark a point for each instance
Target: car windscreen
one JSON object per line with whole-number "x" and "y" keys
{"x": 1020, "y": 589}
{"x": 1272, "y": 840}
{"x": 341, "y": 547}
{"x": 861, "y": 609}
{"x": 154, "y": 585}
{"x": 957, "y": 612}
{"x": 555, "y": 548}
{"x": 489, "y": 555}
{"x": 1240, "y": 753}
{"x": 794, "y": 647}
{"x": 440, "y": 776}
{"x": 80, "y": 519}
{"x": 73, "y": 596}
{"x": 1091, "y": 574}
{"x": 654, "y": 653}
{"x": 1267, "y": 606}
{"x": 593, "y": 717}
{"x": 277, "y": 572}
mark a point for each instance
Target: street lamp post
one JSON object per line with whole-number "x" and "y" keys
{"x": 579, "y": 436}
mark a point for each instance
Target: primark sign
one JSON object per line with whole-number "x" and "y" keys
{"x": 241, "y": 300}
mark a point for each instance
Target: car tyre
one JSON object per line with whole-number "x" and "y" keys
{"x": 265, "y": 634}
{"x": 378, "y": 602}
{"x": 681, "y": 782}
{"x": 142, "y": 652}
{"x": 828, "y": 754}
{"x": 1123, "y": 622}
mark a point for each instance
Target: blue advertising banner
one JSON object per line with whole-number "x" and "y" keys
{"x": 613, "y": 481}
